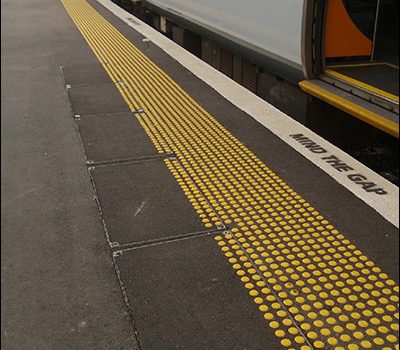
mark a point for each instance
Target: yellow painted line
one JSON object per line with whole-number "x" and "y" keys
{"x": 354, "y": 109}
{"x": 315, "y": 289}
{"x": 361, "y": 85}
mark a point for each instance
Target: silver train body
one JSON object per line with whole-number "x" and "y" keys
{"x": 265, "y": 31}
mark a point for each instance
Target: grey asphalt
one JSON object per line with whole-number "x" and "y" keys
{"x": 185, "y": 295}
{"x": 59, "y": 288}
{"x": 142, "y": 201}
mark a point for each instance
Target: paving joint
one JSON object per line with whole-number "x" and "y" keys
{"x": 69, "y": 86}
{"x": 221, "y": 226}
{"x": 116, "y": 268}
{"x": 96, "y": 198}
{"x": 91, "y": 164}
{"x": 139, "y": 111}
{"x": 126, "y": 302}
{"x": 259, "y": 272}
{"x": 119, "y": 249}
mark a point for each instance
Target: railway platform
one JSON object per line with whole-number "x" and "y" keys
{"x": 149, "y": 202}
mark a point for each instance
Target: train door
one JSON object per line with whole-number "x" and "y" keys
{"x": 355, "y": 45}
{"x": 361, "y": 47}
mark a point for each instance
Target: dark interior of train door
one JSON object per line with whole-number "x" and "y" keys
{"x": 351, "y": 58}
{"x": 361, "y": 45}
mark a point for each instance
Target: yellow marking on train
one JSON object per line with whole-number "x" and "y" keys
{"x": 361, "y": 85}
{"x": 315, "y": 289}
{"x": 354, "y": 109}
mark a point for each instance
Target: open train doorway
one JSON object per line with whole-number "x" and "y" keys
{"x": 361, "y": 48}
{"x": 354, "y": 60}
{"x": 362, "y": 30}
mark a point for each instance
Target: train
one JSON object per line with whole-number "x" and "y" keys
{"x": 342, "y": 52}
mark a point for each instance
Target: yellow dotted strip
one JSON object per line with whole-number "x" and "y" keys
{"x": 315, "y": 289}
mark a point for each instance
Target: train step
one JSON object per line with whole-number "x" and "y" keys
{"x": 358, "y": 107}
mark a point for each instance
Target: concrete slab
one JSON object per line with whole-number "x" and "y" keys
{"x": 85, "y": 74}
{"x": 142, "y": 201}
{"x": 97, "y": 99}
{"x": 185, "y": 295}
{"x": 114, "y": 136}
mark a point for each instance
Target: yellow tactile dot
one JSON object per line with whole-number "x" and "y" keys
{"x": 332, "y": 341}
{"x": 268, "y": 316}
{"x": 274, "y": 324}
{"x": 345, "y": 337}
{"x": 367, "y": 313}
{"x": 319, "y": 344}
{"x": 358, "y": 335}
{"x": 366, "y": 344}
{"x": 325, "y": 332}
{"x": 318, "y": 323}
{"x": 391, "y": 338}
{"x": 253, "y": 292}
{"x": 258, "y": 300}
{"x": 379, "y": 341}
{"x": 293, "y": 331}
{"x": 312, "y": 335}
{"x": 299, "y": 340}
{"x": 395, "y": 326}
{"x": 371, "y": 332}
{"x": 280, "y": 333}
{"x": 353, "y": 347}
{"x": 383, "y": 329}
{"x": 331, "y": 320}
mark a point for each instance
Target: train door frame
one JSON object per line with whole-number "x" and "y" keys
{"x": 313, "y": 39}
